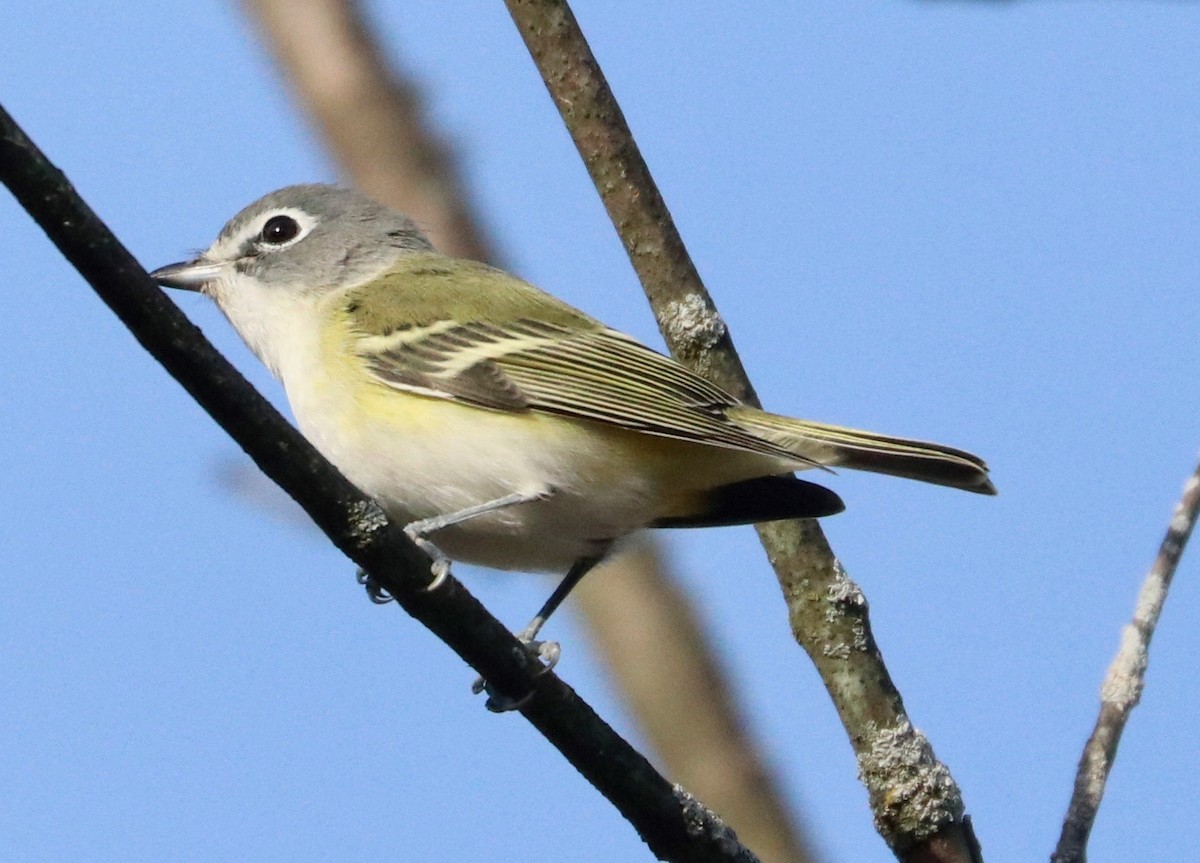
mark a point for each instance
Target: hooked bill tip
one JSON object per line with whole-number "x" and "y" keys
{"x": 186, "y": 275}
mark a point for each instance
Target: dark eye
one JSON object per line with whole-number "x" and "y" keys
{"x": 279, "y": 229}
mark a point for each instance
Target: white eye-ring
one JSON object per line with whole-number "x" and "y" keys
{"x": 283, "y": 228}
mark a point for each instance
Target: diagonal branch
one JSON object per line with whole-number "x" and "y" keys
{"x": 1123, "y": 684}
{"x": 673, "y": 824}
{"x": 917, "y": 806}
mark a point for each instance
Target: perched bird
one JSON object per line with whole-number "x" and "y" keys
{"x": 505, "y": 427}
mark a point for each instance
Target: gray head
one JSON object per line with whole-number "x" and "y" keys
{"x": 311, "y": 237}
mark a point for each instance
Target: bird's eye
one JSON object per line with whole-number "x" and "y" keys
{"x": 279, "y": 230}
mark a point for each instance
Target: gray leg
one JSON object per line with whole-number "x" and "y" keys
{"x": 547, "y": 652}
{"x": 578, "y": 570}
{"x": 419, "y": 530}
{"x": 425, "y": 526}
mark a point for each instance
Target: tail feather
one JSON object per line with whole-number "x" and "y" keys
{"x": 834, "y": 446}
{"x": 764, "y": 498}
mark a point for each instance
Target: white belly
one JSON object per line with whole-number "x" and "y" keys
{"x": 422, "y": 457}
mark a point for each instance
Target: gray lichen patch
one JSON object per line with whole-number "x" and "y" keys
{"x": 699, "y": 820}
{"x": 1127, "y": 675}
{"x": 846, "y": 601}
{"x": 912, "y": 793}
{"x": 366, "y": 517}
{"x": 840, "y": 650}
{"x": 693, "y": 323}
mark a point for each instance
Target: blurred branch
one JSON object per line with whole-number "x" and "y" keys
{"x": 372, "y": 119}
{"x": 1123, "y": 684}
{"x": 917, "y": 806}
{"x": 703, "y": 749}
{"x": 672, "y": 823}
{"x": 373, "y": 123}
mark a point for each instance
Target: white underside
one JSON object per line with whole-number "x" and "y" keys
{"x": 445, "y": 471}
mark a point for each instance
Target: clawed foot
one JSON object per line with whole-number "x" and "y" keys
{"x": 545, "y": 653}
{"x": 375, "y": 591}
{"x": 439, "y": 569}
{"x": 416, "y": 531}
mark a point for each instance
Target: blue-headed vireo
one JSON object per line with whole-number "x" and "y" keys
{"x": 508, "y": 427}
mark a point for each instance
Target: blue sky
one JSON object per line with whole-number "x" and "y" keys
{"x": 973, "y": 222}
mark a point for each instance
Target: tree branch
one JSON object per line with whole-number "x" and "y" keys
{"x": 1125, "y": 680}
{"x": 673, "y": 824}
{"x": 917, "y": 806}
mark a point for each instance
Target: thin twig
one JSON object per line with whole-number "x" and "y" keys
{"x": 375, "y": 126}
{"x": 673, "y": 824}
{"x": 917, "y": 806}
{"x": 1125, "y": 680}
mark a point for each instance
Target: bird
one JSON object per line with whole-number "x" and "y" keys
{"x": 501, "y": 425}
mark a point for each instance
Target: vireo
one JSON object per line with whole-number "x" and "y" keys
{"x": 506, "y": 427}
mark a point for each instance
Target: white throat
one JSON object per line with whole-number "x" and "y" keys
{"x": 281, "y": 326}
